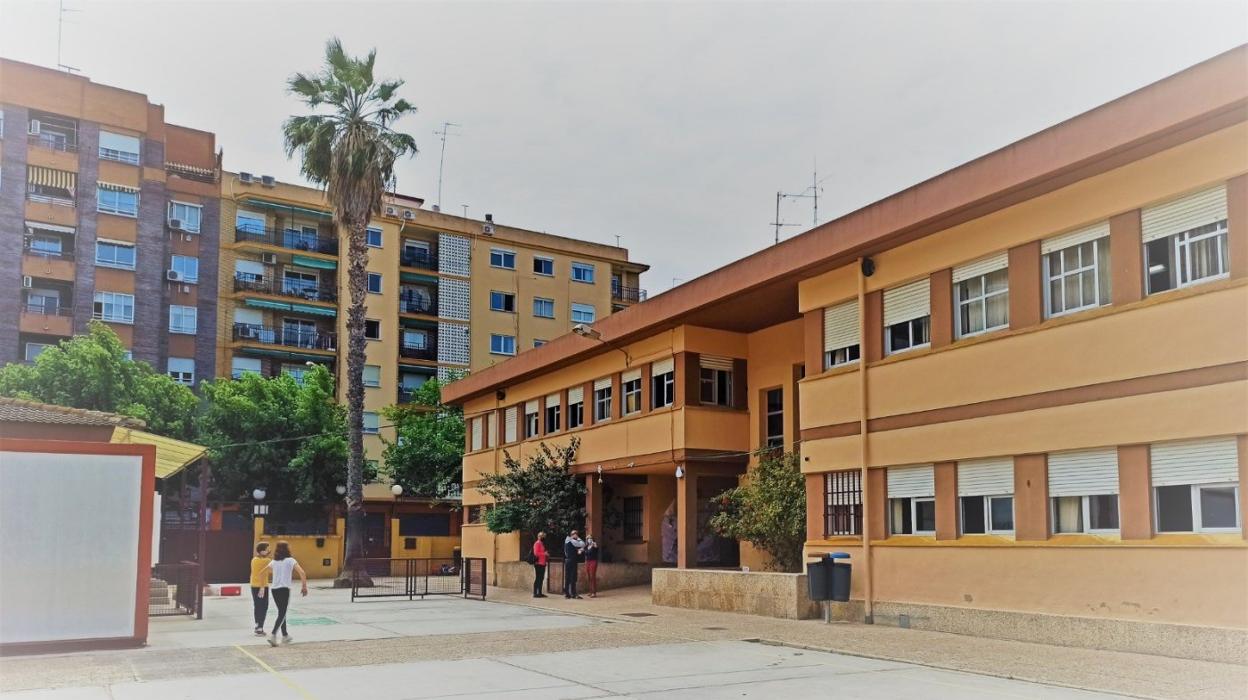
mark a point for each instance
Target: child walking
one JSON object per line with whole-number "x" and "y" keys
{"x": 260, "y": 586}
{"x": 282, "y": 567}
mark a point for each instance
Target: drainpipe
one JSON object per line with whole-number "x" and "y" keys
{"x": 863, "y": 451}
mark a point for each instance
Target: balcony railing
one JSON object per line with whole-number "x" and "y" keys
{"x": 286, "y": 337}
{"x": 53, "y": 142}
{"x": 424, "y": 261}
{"x": 32, "y": 248}
{"x": 245, "y": 282}
{"x": 622, "y": 293}
{"x": 47, "y": 307}
{"x": 417, "y": 303}
{"x": 419, "y": 352}
{"x": 293, "y": 239}
{"x": 59, "y": 197}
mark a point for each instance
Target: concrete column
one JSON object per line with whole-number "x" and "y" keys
{"x": 660, "y": 493}
{"x": 1242, "y": 444}
{"x": 588, "y": 391}
{"x": 645, "y": 388}
{"x": 1237, "y": 226}
{"x": 687, "y": 520}
{"x": 593, "y": 507}
{"x": 617, "y": 397}
{"x": 1135, "y": 503}
{"x": 876, "y": 498}
{"x": 690, "y": 380}
{"x": 941, "y": 283}
{"x": 816, "y": 527}
{"x": 740, "y": 384}
{"x": 872, "y": 345}
{"x": 1026, "y": 298}
{"x": 1126, "y": 258}
{"x": 812, "y": 340}
{"x": 946, "y": 474}
{"x": 1031, "y": 497}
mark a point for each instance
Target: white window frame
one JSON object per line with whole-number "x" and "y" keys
{"x": 1197, "y": 515}
{"x": 506, "y": 259}
{"x": 1086, "y": 514}
{"x": 374, "y": 383}
{"x": 116, "y": 244}
{"x": 542, "y": 258}
{"x": 981, "y": 299}
{"x": 1183, "y": 243}
{"x": 532, "y": 423}
{"x": 183, "y": 313}
{"x": 602, "y": 400}
{"x": 26, "y": 347}
{"x": 118, "y": 155}
{"x": 626, "y": 393}
{"x": 667, "y": 382}
{"x": 838, "y": 357}
{"x": 175, "y": 207}
{"x": 502, "y": 342}
{"x": 713, "y": 381}
{"x": 888, "y": 335}
{"x": 375, "y": 419}
{"x": 114, "y": 299}
{"x": 368, "y": 241}
{"x": 986, "y": 504}
{"x": 114, "y": 207}
{"x": 582, "y": 268}
{"x": 583, "y": 313}
{"x": 576, "y": 408}
{"x": 1051, "y": 276}
{"x": 181, "y": 376}
{"x": 546, "y": 303}
{"x": 770, "y": 441}
{"x": 189, "y": 277}
{"x": 914, "y": 516}
{"x": 503, "y": 296}
{"x": 369, "y": 282}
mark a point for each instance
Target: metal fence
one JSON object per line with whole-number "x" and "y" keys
{"x": 382, "y": 577}
{"x": 176, "y": 589}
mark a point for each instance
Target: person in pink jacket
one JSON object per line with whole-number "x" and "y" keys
{"x": 539, "y": 559}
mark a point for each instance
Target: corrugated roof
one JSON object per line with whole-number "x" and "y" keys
{"x": 23, "y": 411}
{"x": 172, "y": 456}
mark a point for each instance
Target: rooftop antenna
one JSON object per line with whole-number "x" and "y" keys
{"x": 617, "y": 240}
{"x": 60, "y": 29}
{"x": 465, "y": 206}
{"x": 778, "y": 223}
{"x": 446, "y": 131}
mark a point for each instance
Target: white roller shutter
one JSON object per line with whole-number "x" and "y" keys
{"x": 986, "y": 477}
{"x": 1208, "y": 461}
{"x": 509, "y": 425}
{"x": 245, "y": 364}
{"x": 530, "y": 406}
{"x": 576, "y": 395}
{"x": 604, "y": 383}
{"x": 1184, "y": 214}
{"x": 252, "y": 317}
{"x": 630, "y": 375}
{"x": 840, "y": 326}
{"x": 662, "y": 367}
{"x": 249, "y": 267}
{"x": 552, "y": 400}
{"x": 119, "y": 142}
{"x": 907, "y": 302}
{"x": 1073, "y": 238}
{"x": 715, "y": 362}
{"x": 477, "y": 425}
{"x": 911, "y": 482}
{"x": 491, "y": 430}
{"x": 980, "y": 267}
{"x": 1083, "y": 473}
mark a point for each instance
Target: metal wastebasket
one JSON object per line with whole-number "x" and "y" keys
{"x": 828, "y": 579}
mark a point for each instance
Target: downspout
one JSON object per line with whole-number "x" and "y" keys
{"x": 863, "y": 451}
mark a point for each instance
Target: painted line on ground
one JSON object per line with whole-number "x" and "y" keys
{"x": 280, "y": 676}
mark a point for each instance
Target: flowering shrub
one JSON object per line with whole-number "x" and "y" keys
{"x": 768, "y": 510}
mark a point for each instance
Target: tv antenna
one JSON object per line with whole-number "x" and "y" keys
{"x": 811, "y": 192}
{"x": 780, "y": 196}
{"x": 445, "y": 132}
{"x": 60, "y": 30}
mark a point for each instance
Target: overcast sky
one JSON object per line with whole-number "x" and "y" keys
{"x": 669, "y": 125}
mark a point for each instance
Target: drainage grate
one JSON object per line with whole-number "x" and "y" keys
{"x": 638, "y": 614}
{"x": 715, "y": 629}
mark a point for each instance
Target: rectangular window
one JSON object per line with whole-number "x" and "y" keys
{"x": 296, "y": 372}
{"x": 582, "y": 313}
{"x": 582, "y": 272}
{"x": 182, "y": 370}
{"x": 372, "y": 375}
{"x": 509, "y": 425}
{"x": 502, "y": 344}
{"x": 715, "y": 386}
{"x": 183, "y": 319}
{"x": 841, "y": 344}
{"x": 986, "y": 493}
{"x": 987, "y": 515}
{"x": 119, "y": 147}
{"x": 1196, "y": 485}
{"x": 504, "y": 259}
{"x": 503, "y": 301}
{"x": 602, "y": 400}
{"x": 374, "y": 283}
{"x": 372, "y": 423}
{"x": 186, "y": 266}
{"x": 538, "y": 342}
{"x": 543, "y": 308}
{"x": 32, "y": 350}
{"x": 912, "y": 516}
{"x": 372, "y": 329}
{"x": 1185, "y": 240}
{"x": 842, "y": 503}
{"x": 907, "y": 316}
{"x": 187, "y": 216}
{"x": 634, "y": 518}
{"x": 983, "y": 302}
{"x": 530, "y": 419}
{"x": 476, "y": 430}
{"x": 662, "y": 383}
{"x": 543, "y": 266}
{"x": 249, "y": 222}
{"x": 114, "y": 307}
{"x": 113, "y": 254}
{"x": 1078, "y": 273}
{"x": 111, "y": 199}
{"x": 774, "y": 405}
{"x": 630, "y": 386}
{"x": 1078, "y": 514}
{"x": 552, "y": 417}
{"x": 576, "y": 408}
{"x": 1083, "y": 490}
{"x": 372, "y": 237}
{"x": 244, "y": 365}
{"x": 908, "y": 334}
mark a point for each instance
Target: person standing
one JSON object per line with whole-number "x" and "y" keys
{"x": 282, "y": 567}
{"x": 540, "y": 559}
{"x": 260, "y": 586}
{"x": 573, "y": 548}
{"x": 591, "y": 564}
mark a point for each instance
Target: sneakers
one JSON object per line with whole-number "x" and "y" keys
{"x": 259, "y": 632}
{"x": 272, "y": 639}
{"x": 287, "y": 639}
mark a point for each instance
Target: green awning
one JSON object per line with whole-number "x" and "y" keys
{"x": 291, "y": 306}
{"x": 417, "y": 323}
{"x": 284, "y": 354}
{"x": 315, "y": 310}
{"x": 305, "y": 261}
{"x": 264, "y": 204}
{"x": 413, "y": 277}
{"x": 266, "y": 304}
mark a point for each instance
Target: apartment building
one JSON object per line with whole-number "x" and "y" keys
{"x": 446, "y": 295}
{"x": 114, "y": 212}
{"x": 1019, "y": 390}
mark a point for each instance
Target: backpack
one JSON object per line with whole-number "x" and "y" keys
{"x": 530, "y": 557}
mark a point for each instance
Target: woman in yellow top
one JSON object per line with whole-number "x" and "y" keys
{"x": 260, "y": 586}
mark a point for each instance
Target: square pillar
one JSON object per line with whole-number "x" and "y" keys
{"x": 872, "y": 342}
{"x": 1026, "y": 286}
{"x": 1135, "y": 503}
{"x": 645, "y": 388}
{"x": 1031, "y": 497}
{"x": 946, "y": 476}
{"x": 593, "y": 507}
{"x": 941, "y": 287}
{"x": 660, "y": 493}
{"x": 687, "y": 520}
{"x": 1237, "y": 226}
{"x": 876, "y": 498}
{"x": 812, "y": 341}
{"x": 1126, "y": 258}
{"x": 816, "y": 527}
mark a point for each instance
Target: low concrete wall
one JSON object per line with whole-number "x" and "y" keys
{"x": 754, "y": 593}
{"x": 518, "y": 575}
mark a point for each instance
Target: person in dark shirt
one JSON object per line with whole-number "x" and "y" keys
{"x": 573, "y": 548}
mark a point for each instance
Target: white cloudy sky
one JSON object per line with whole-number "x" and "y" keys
{"x": 670, "y": 125}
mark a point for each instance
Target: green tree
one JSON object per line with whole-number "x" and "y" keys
{"x": 91, "y": 371}
{"x": 542, "y": 495}
{"x": 768, "y": 510}
{"x": 348, "y": 146}
{"x": 426, "y": 456}
{"x": 286, "y": 436}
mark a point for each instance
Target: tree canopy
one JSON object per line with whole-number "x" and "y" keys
{"x": 426, "y": 455}
{"x": 768, "y": 509}
{"x": 540, "y": 495}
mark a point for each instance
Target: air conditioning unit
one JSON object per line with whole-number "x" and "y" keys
{"x": 268, "y": 258}
{"x": 267, "y": 180}
{"x": 175, "y": 224}
{"x": 187, "y": 237}
{"x": 246, "y": 178}
{"x": 186, "y": 289}
{"x": 487, "y": 229}
{"x": 27, "y": 282}
{"x": 391, "y": 211}
{"x": 173, "y": 275}
{"x": 409, "y": 214}
{"x": 34, "y": 128}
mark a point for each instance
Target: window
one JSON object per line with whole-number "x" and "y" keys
{"x": 113, "y": 254}
{"x": 372, "y": 329}
{"x": 118, "y": 147}
{"x": 183, "y": 319}
{"x": 372, "y": 424}
{"x": 986, "y": 494}
{"x": 530, "y": 419}
{"x": 509, "y": 425}
{"x": 182, "y": 370}
{"x": 602, "y": 400}
{"x": 52, "y": 246}
{"x": 543, "y": 308}
{"x": 186, "y": 266}
{"x": 634, "y": 518}
{"x": 249, "y": 222}
{"x": 582, "y": 313}
{"x": 1185, "y": 240}
{"x": 982, "y": 295}
{"x": 372, "y": 375}
{"x": 582, "y": 272}
{"x": 773, "y": 400}
{"x": 188, "y": 216}
{"x": 502, "y": 344}
{"x": 503, "y": 301}
{"x": 842, "y": 503}
{"x": 1074, "y": 514}
{"x": 630, "y": 385}
{"x": 116, "y": 199}
{"x": 553, "y": 414}
{"x": 987, "y": 515}
{"x": 474, "y": 515}
{"x": 907, "y": 316}
{"x": 244, "y": 365}
{"x": 300, "y": 333}
{"x": 1196, "y": 485}
{"x": 662, "y": 383}
{"x": 1083, "y": 490}
{"x": 374, "y": 283}
{"x": 537, "y": 342}
{"x": 32, "y": 350}
{"x": 1076, "y": 267}
{"x": 504, "y": 259}
{"x": 715, "y": 380}
{"x": 476, "y": 433}
{"x": 841, "y": 344}
{"x": 576, "y": 407}
{"x": 543, "y": 266}
{"x": 114, "y": 306}
{"x": 372, "y": 237}
{"x": 296, "y": 372}
{"x": 911, "y": 500}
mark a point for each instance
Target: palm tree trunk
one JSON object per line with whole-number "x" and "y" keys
{"x": 357, "y": 260}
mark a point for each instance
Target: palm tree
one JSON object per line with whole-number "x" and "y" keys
{"x": 348, "y": 146}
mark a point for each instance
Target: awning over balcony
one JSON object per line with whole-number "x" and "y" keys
{"x": 286, "y": 208}
{"x": 413, "y": 277}
{"x": 317, "y": 263}
{"x": 50, "y": 177}
{"x": 288, "y": 306}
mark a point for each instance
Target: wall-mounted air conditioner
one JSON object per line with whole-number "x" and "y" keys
{"x": 409, "y": 214}
{"x": 391, "y": 211}
{"x": 268, "y": 258}
{"x": 27, "y": 282}
{"x": 246, "y": 178}
{"x": 267, "y": 180}
{"x": 175, "y": 224}
{"x": 173, "y": 275}
{"x": 34, "y": 127}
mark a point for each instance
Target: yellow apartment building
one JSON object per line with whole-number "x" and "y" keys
{"x": 1019, "y": 390}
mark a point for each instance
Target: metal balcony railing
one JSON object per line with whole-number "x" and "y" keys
{"x": 622, "y": 293}
{"x": 410, "y": 303}
{"x": 52, "y": 141}
{"x": 424, "y": 261}
{"x": 34, "y": 248}
{"x": 47, "y": 307}
{"x": 419, "y": 352}
{"x": 286, "y": 337}
{"x": 246, "y": 282}
{"x": 292, "y": 239}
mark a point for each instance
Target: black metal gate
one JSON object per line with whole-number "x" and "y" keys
{"x": 382, "y": 577}
{"x": 176, "y": 589}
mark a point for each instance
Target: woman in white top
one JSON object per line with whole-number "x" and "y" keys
{"x": 282, "y": 566}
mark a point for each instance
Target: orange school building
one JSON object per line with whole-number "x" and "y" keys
{"x": 1019, "y": 389}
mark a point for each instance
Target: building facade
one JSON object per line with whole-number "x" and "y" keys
{"x": 1016, "y": 389}
{"x": 114, "y": 212}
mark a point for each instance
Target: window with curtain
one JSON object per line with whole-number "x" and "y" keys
{"x": 983, "y": 303}
{"x": 188, "y": 216}
{"x": 1078, "y": 277}
{"x": 114, "y": 306}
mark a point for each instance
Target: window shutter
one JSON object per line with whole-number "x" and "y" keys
{"x": 530, "y": 406}
{"x": 552, "y": 400}
{"x": 986, "y": 477}
{"x": 1083, "y": 473}
{"x": 840, "y": 326}
{"x": 911, "y": 482}
{"x": 245, "y": 364}
{"x": 476, "y": 433}
{"x": 1208, "y": 461}
{"x": 509, "y": 425}
{"x": 983, "y": 266}
{"x": 576, "y": 395}
{"x": 118, "y": 142}
{"x": 252, "y": 317}
{"x": 662, "y": 367}
{"x": 181, "y": 364}
{"x": 907, "y": 302}
{"x": 116, "y": 187}
{"x": 630, "y": 375}
{"x": 491, "y": 430}
{"x": 604, "y": 383}
{"x": 1074, "y": 238}
{"x": 715, "y": 362}
{"x": 1184, "y": 214}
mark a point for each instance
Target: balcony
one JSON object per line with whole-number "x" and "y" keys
{"x": 48, "y": 249}
{"x": 56, "y": 196}
{"x": 413, "y": 303}
{"x": 427, "y": 352}
{"x": 46, "y": 316}
{"x": 286, "y": 337}
{"x": 295, "y": 289}
{"x": 291, "y": 239}
{"x": 631, "y": 295}
{"x": 419, "y": 260}
{"x": 53, "y": 141}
